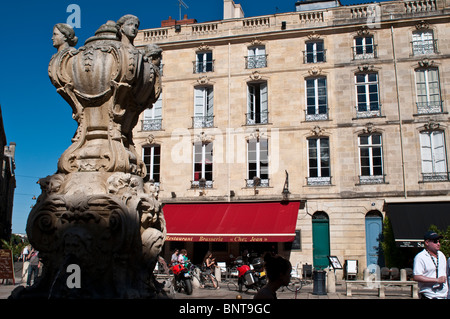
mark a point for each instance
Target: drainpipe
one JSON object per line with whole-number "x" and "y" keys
{"x": 228, "y": 133}
{"x": 399, "y": 113}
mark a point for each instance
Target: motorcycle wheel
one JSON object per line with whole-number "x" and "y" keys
{"x": 188, "y": 287}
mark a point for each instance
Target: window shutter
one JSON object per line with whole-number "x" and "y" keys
{"x": 427, "y": 160}
{"x": 439, "y": 152}
{"x": 210, "y": 105}
{"x": 199, "y": 101}
{"x": 264, "y": 102}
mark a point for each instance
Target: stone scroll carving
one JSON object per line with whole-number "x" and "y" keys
{"x": 96, "y": 211}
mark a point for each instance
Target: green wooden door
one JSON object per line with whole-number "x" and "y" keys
{"x": 321, "y": 242}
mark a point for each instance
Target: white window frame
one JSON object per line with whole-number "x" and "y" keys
{"x": 152, "y": 120}
{"x": 364, "y": 45}
{"x": 423, "y": 42}
{"x": 319, "y": 179}
{"x": 368, "y": 112}
{"x": 316, "y": 115}
{"x": 315, "y": 51}
{"x": 433, "y": 155}
{"x": 204, "y": 157}
{"x": 201, "y": 59}
{"x": 371, "y": 178}
{"x": 260, "y": 158}
{"x": 429, "y": 105}
{"x": 203, "y": 107}
{"x": 151, "y": 165}
{"x": 256, "y": 57}
{"x": 257, "y": 103}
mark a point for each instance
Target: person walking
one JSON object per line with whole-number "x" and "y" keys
{"x": 209, "y": 265}
{"x": 430, "y": 269}
{"x": 33, "y": 268}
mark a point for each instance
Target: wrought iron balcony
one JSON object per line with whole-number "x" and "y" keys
{"x": 429, "y": 107}
{"x": 436, "y": 177}
{"x": 256, "y": 61}
{"x": 257, "y": 182}
{"x": 372, "y": 179}
{"x": 424, "y": 47}
{"x": 321, "y": 115}
{"x": 314, "y": 56}
{"x": 202, "y": 121}
{"x": 318, "y": 181}
{"x": 363, "y": 52}
{"x": 151, "y": 125}
{"x": 253, "y": 118}
{"x": 204, "y": 66}
{"x": 363, "y": 112}
{"x": 202, "y": 183}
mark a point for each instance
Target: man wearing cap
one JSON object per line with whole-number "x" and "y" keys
{"x": 430, "y": 269}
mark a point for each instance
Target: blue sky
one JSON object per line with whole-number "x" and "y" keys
{"x": 34, "y": 115}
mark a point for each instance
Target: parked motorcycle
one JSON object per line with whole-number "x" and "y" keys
{"x": 250, "y": 278}
{"x": 182, "y": 278}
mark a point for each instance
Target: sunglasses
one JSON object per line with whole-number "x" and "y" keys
{"x": 436, "y": 241}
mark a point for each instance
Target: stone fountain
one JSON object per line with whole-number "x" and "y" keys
{"x": 96, "y": 212}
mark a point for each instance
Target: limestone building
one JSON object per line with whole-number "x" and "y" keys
{"x": 338, "y": 113}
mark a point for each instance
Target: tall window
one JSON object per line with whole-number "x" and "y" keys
{"x": 319, "y": 161}
{"x": 153, "y": 117}
{"x": 257, "y": 107}
{"x": 257, "y": 57}
{"x": 428, "y": 91}
{"x": 315, "y": 52}
{"x": 203, "y": 165}
{"x": 434, "y": 163}
{"x": 423, "y": 42}
{"x": 371, "y": 158}
{"x": 152, "y": 160}
{"x": 203, "y": 107}
{"x": 204, "y": 62}
{"x": 364, "y": 48}
{"x": 367, "y": 94}
{"x": 258, "y": 163}
{"x": 316, "y": 99}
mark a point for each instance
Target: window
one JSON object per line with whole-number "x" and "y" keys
{"x": 152, "y": 160}
{"x": 257, "y": 104}
{"x": 367, "y": 94}
{"x": 204, "y": 62}
{"x": 371, "y": 159}
{"x": 315, "y": 52}
{"x": 319, "y": 161}
{"x": 153, "y": 117}
{"x": 316, "y": 99}
{"x": 256, "y": 58}
{"x": 364, "y": 48}
{"x": 258, "y": 163}
{"x": 423, "y": 42}
{"x": 203, "y": 107}
{"x": 428, "y": 91}
{"x": 434, "y": 164}
{"x": 203, "y": 165}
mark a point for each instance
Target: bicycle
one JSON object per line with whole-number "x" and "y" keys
{"x": 205, "y": 278}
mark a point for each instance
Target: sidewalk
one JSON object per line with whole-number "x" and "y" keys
{"x": 305, "y": 293}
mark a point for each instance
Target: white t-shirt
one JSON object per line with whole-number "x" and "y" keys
{"x": 425, "y": 265}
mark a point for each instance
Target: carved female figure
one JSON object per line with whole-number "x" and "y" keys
{"x": 63, "y": 36}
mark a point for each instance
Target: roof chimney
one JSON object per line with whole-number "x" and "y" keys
{"x": 232, "y": 10}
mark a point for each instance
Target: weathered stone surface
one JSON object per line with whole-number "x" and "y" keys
{"x": 96, "y": 211}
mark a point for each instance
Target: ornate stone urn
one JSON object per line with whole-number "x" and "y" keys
{"x": 97, "y": 212}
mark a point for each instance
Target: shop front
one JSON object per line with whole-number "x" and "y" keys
{"x": 229, "y": 229}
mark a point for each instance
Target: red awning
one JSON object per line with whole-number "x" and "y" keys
{"x": 232, "y": 222}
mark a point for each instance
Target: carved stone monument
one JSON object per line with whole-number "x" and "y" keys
{"x": 97, "y": 212}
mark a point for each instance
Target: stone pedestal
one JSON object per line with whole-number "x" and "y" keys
{"x": 97, "y": 212}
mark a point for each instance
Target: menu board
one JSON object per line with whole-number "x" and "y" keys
{"x": 6, "y": 264}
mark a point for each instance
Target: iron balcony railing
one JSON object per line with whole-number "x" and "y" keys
{"x": 363, "y": 52}
{"x": 429, "y": 107}
{"x": 256, "y": 61}
{"x": 436, "y": 177}
{"x": 422, "y": 47}
{"x": 255, "y": 118}
{"x": 203, "y": 66}
{"x": 202, "y": 121}
{"x": 151, "y": 125}
{"x": 314, "y": 56}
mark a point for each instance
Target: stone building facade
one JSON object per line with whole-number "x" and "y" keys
{"x": 343, "y": 109}
{"x": 7, "y": 183}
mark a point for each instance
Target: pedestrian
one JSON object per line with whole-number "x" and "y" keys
{"x": 209, "y": 265}
{"x": 26, "y": 263}
{"x": 278, "y": 270}
{"x": 182, "y": 257}
{"x": 33, "y": 268}
{"x": 430, "y": 269}
{"x": 174, "y": 258}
